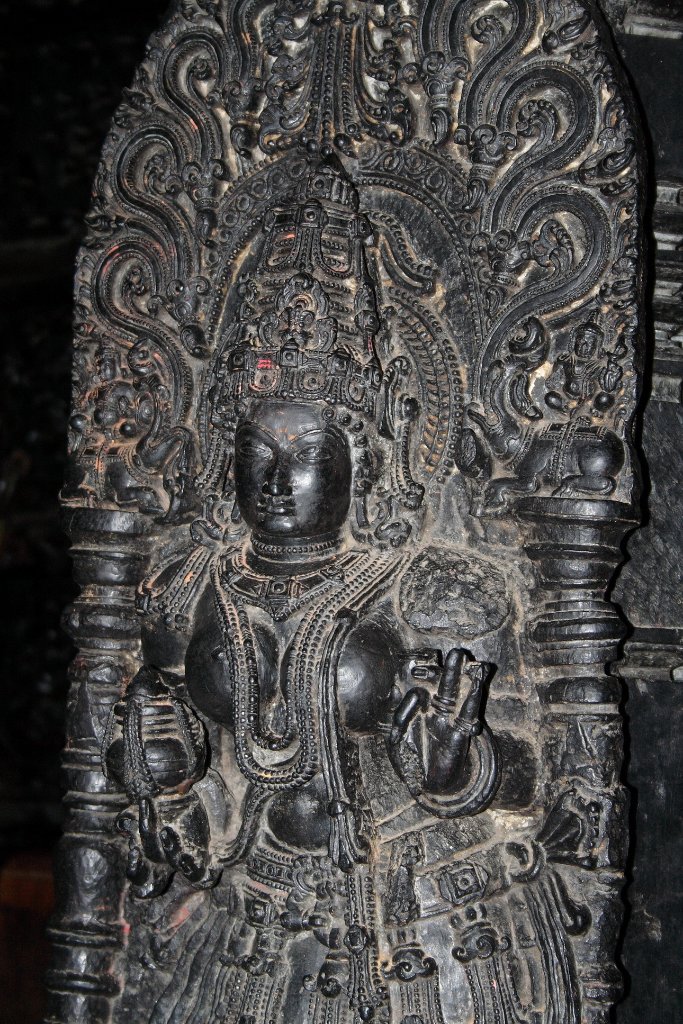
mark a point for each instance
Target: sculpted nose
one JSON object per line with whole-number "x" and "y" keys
{"x": 277, "y": 480}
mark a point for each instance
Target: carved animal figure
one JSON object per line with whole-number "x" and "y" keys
{"x": 577, "y": 457}
{"x": 127, "y": 438}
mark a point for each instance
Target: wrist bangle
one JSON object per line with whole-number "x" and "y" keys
{"x": 469, "y": 728}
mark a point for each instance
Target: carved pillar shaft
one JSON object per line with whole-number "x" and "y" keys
{"x": 88, "y": 930}
{"x": 576, "y": 549}
{"x": 575, "y": 632}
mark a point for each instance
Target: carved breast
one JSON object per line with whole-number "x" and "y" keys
{"x": 366, "y": 677}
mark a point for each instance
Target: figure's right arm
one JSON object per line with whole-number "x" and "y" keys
{"x": 157, "y": 749}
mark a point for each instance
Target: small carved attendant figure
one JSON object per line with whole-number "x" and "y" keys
{"x": 252, "y": 767}
{"x": 589, "y": 376}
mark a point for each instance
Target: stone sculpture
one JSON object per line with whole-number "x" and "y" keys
{"x": 355, "y": 372}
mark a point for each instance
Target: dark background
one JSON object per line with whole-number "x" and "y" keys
{"x": 64, "y": 64}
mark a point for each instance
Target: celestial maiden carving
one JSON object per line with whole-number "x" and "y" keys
{"x": 355, "y": 368}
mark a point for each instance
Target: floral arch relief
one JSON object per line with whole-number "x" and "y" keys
{"x": 355, "y": 367}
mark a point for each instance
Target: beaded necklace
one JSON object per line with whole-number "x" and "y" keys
{"x": 310, "y": 740}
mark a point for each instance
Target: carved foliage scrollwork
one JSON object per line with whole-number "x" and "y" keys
{"x": 532, "y": 162}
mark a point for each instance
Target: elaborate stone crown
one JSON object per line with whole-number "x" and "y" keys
{"x": 307, "y": 321}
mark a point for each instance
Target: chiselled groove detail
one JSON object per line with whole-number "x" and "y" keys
{"x": 355, "y": 367}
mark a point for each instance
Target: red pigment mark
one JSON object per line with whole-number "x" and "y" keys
{"x": 264, "y": 364}
{"x": 184, "y": 910}
{"x": 181, "y": 915}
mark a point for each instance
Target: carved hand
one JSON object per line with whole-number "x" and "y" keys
{"x": 168, "y": 835}
{"x": 449, "y": 720}
{"x": 155, "y": 747}
{"x": 453, "y": 719}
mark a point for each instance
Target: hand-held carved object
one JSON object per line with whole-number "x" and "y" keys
{"x": 355, "y": 370}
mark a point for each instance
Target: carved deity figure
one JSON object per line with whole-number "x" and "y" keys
{"x": 244, "y": 771}
{"x": 355, "y": 372}
{"x": 282, "y": 718}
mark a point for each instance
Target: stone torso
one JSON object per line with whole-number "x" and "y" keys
{"x": 367, "y": 692}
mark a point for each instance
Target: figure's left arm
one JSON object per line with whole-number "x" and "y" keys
{"x": 156, "y": 749}
{"x": 439, "y": 743}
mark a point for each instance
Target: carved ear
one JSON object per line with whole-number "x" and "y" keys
{"x": 391, "y": 399}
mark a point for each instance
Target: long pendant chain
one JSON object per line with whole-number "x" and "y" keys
{"x": 368, "y": 575}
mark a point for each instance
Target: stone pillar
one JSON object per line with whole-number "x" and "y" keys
{"x": 88, "y": 930}
{"x": 574, "y": 634}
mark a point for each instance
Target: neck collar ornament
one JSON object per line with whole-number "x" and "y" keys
{"x": 282, "y": 596}
{"x": 298, "y": 551}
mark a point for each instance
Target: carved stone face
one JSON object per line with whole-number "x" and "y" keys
{"x": 587, "y": 341}
{"x": 292, "y": 471}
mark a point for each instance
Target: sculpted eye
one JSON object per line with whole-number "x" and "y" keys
{"x": 315, "y": 453}
{"x": 251, "y": 449}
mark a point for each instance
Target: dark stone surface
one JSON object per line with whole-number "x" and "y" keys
{"x": 650, "y": 586}
{"x": 34, "y": 563}
{"x": 655, "y": 65}
{"x": 335, "y": 412}
{"x": 650, "y": 592}
{"x": 652, "y": 952}
{"x": 65, "y": 63}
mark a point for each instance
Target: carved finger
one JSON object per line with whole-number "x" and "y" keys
{"x": 470, "y": 710}
{"x": 148, "y": 824}
{"x": 190, "y": 867}
{"x": 127, "y": 823}
{"x": 449, "y": 684}
{"x": 134, "y": 861}
{"x": 148, "y": 818}
{"x": 146, "y": 879}
{"x": 178, "y": 858}
{"x": 170, "y": 842}
{"x": 145, "y": 817}
{"x": 415, "y": 700}
{"x": 137, "y": 869}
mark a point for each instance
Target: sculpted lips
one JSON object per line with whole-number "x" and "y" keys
{"x": 275, "y": 505}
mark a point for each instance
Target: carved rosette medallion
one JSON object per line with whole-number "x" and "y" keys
{"x": 356, "y": 363}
